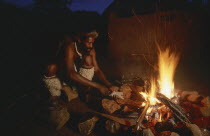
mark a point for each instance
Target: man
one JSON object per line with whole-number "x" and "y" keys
{"x": 79, "y": 64}
{"x": 76, "y": 66}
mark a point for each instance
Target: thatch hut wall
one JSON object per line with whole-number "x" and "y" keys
{"x": 133, "y": 40}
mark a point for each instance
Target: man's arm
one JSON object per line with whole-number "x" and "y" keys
{"x": 72, "y": 74}
{"x": 101, "y": 75}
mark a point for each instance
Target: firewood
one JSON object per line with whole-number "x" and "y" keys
{"x": 126, "y": 91}
{"x": 205, "y": 111}
{"x": 86, "y": 127}
{"x": 184, "y": 94}
{"x": 140, "y": 126}
{"x": 110, "y": 106}
{"x": 135, "y": 92}
{"x": 129, "y": 102}
{"x": 76, "y": 106}
{"x": 194, "y": 98}
{"x": 196, "y": 110}
{"x": 123, "y": 121}
{"x": 190, "y": 96}
{"x": 177, "y": 110}
{"x": 129, "y": 109}
{"x": 202, "y": 122}
{"x": 205, "y": 101}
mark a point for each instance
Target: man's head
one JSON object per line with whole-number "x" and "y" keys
{"x": 87, "y": 39}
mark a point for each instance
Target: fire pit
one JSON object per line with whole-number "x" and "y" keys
{"x": 159, "y": 109}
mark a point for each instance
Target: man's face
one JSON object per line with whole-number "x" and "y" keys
{"x": 88, "y": 43}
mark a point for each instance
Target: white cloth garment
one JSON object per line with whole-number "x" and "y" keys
{"x": 87, "y": 73}
{"x": 53, "y": 84}
{"x": 117, "y": 95}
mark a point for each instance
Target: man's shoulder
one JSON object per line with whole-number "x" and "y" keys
{"x": 93, "y": 52}
{"x": 70, "y": 45}
{"x": 70, "y": 48}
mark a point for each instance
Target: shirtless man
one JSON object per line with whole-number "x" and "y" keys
{"x": 78, "y": 64}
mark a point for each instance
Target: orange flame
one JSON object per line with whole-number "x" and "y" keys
{"x": 167, "y": 63}
{"x": 151, "y": 97}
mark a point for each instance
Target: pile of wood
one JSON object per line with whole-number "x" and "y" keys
{"x": 194, "y": 104}
{"x": 186, "y": 118}
{"x": 197, "y": 107}
{"x": 129, "y": 103}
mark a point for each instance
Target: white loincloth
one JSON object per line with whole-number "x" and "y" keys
{"x": 53, "y": 84}
{"x": 87, "y": 73}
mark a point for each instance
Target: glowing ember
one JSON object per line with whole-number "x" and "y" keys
{"x": 167, "y": 63}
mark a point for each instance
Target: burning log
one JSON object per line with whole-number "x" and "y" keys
{"x": 140, "y": 128}
{"x": 179, "y": 113}
{"x": 139, "y": 125}
{"x": 177, "y": 110}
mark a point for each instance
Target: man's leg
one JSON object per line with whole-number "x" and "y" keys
{"x": 58, "y": 115}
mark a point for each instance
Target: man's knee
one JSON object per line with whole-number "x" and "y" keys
{"x": 51, "y": 70}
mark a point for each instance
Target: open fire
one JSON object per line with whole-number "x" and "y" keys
{"x": 158, "y": 106}
{"x": 167, "y": 63}
{"x": 164, "y": 108}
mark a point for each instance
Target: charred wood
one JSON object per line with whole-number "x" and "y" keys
{"x": 177, "y": 110}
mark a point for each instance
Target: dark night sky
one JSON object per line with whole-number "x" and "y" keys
{"x": 89, "y": 5}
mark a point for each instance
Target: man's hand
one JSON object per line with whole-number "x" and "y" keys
{"x": 104, "y": 90}
{"x": 114, "y": 88}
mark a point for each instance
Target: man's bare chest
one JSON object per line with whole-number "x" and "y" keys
{"x": 86, "y": 61}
